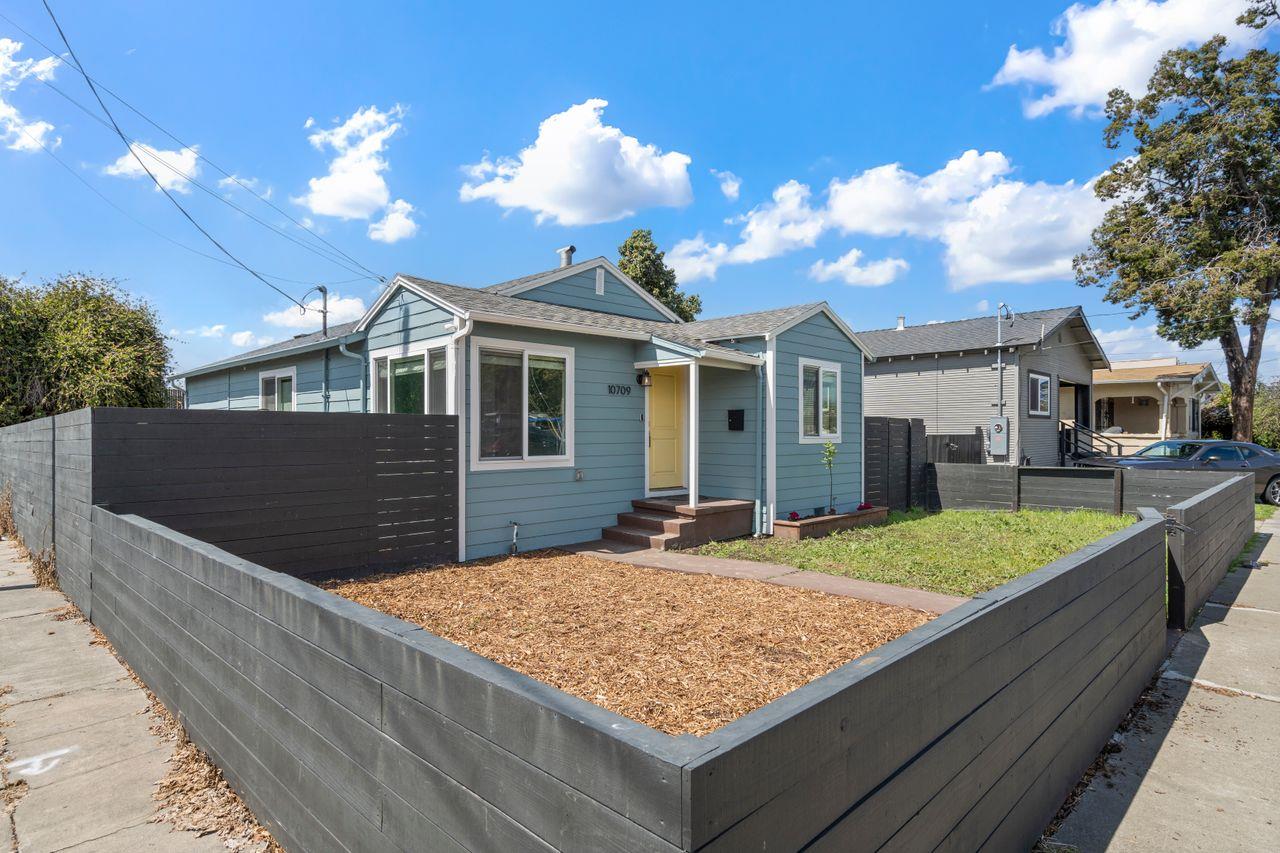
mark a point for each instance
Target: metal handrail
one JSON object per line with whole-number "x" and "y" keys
{"x": 1079, "y": 441}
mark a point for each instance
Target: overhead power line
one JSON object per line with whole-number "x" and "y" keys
{"x": 75, "y": 59}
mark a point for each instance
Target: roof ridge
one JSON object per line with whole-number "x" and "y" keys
{"x": 934, "y": 325}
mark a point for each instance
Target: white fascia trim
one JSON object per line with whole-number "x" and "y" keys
{"x": 683, "y": 349}
{"x": 651, "y": 365}
{"x": 822, "y": 366}
{"x": 526, "y": 463}
{"x": 594, "y": 263}
{"x": 278, "y": 373}
{"x": 397, "y": 283}
{"x": 822, "y": 308}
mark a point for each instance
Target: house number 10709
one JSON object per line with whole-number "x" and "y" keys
{"x": 620, "y": 390}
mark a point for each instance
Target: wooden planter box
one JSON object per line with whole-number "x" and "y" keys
{"x": 825, "y": 525}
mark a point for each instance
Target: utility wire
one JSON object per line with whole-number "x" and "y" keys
{"x": 160, "y": 187}
{"x": 96, "y": 85}
{"x": 214, "y": 194}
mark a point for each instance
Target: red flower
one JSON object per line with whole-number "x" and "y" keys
{"x": 863, "y": 505}
{"x": 793, "y": 516}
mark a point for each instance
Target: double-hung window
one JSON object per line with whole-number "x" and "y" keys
{"x": 1039, "y": 389}
{"x": 521, "y": 405}
{"x": 275, "y": 390}
{"x": 412, "y": 384}
{"x": 819, "y": 401}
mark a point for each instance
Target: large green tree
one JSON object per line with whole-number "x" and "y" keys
{"x": 75, "y": 342}
{"x": 1193, "y": 233}
{"x": 640, "y": 259}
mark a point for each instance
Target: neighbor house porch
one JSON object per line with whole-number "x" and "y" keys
{"x": 1138, "y": 403}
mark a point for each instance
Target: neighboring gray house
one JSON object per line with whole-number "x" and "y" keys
{"x": 948, "y": 375}
{"x": 578, "y": 393}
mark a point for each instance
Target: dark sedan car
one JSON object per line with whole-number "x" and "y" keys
{"x": 1208, "y": 455}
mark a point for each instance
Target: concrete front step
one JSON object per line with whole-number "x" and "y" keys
{"x": 640, "y": 536}
{"x": 657, "y": 521}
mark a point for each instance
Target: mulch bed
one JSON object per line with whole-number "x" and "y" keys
{"x": 682, "y": 653}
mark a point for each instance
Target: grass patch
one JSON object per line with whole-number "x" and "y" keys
{"x": 1262, "y": 512}
{"x": 953, "y": 552}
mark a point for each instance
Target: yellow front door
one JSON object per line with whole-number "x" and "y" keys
{"x": 666, "y": 429}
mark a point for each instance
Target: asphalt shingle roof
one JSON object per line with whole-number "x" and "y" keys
{"x": 335, "y": 332}
{"x": 961, "y": 335}
{"x": 747, "y": 325}
{"x": 1149, "y": 374}
{"x": 485, "y": 300}
{"x": 505, "y": 287}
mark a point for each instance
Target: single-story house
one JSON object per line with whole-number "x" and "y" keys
{"x": 1140, "y": 401}
{"x": 579, "y": 393}
{"x": 1020, "y": 374}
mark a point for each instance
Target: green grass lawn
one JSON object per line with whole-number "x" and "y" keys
{"x": 1261, "y": 512}
{"x": 953, "y": 552}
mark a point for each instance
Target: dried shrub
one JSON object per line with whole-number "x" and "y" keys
{"x": 44, "y": 566}
{"x": 8, "y": 529}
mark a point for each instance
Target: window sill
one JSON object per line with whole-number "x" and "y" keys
{"x": 479, "y": 465}
{"x": 821, "y": 439}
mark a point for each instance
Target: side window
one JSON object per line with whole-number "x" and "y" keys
{"x": 819, "y": 401}
{"x": 1221, "y": 454}
{"x": 1039, "y": 387}
{"x": 275, "y": 390}
{"x": 412, "y": 384}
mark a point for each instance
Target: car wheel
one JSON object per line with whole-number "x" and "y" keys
{"x": 1272, "y": 493}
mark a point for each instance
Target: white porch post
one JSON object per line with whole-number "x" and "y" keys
{"x": 693, "y": 433}
{"x": 1164, "y": 415}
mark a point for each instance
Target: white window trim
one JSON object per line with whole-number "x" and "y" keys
{"x": 409, "y": 350}
{"x": 821, "y": 437}
{"x": 526, "y": 349}
{"x": 290, "y": 373}
{"x": 1036, "y": 412}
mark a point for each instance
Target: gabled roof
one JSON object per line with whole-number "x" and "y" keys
{"x": 486, "y": 305}
{"x": 755, "y": 324}
{"x": 529, "y": 282}
{"x": 1027, "y": 327}
{"x": 1155, "y": 373}
{"x": 298, "y": 343}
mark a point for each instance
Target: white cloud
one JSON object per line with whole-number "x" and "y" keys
{"x": 354, "y": 187}
{"x": 1115, "y": 44}
{"x": 1018, "y": 232}
{"x": 396, "y": 223}
{"x": 173, "y": 170}
{"x": 215, "y": 331}
{"x": 730, "y": 184}
{"x": 888, "y": 200}
{"x": 309, "y": 123}
{"x": 982, "y": 307}
{"x": 992, "y": 228}
{"x": 342, "y": 309}
{"x": 249, "y": 339}
{"x": 849, "y": 269}
{"x": 580, "y": 171}
{"x": 16, "y": 132}
{"x": 252, "y": 185}
{"x": 782, "y": 225}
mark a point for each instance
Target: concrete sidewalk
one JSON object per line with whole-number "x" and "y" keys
{"x": 1199, "y": 769}
{"x": 78, "y": 731}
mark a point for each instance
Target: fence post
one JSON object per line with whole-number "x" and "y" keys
{"x": 1016, "y": 502}
{"x": 1175, "y": 552}
{"x": 1117, "y": 477}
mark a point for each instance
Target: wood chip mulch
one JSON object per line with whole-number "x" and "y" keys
{"x": 682, "y": 653}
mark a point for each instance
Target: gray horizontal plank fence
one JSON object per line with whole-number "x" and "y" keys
{"x": 1217, "y": 524}
{"x": 298, "y": 492}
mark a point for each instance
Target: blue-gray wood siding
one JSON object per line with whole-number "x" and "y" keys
{"x": 406, "y": 318}
{"x": 237, "y": 387}
{"x": 801, "y": 477}
{"x": 728, "y": 467}
{"x": 551, "y": 507}
{"x": 579, "y": 291}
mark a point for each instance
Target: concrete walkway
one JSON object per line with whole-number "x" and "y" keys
{"x": 78, "y": 734}
{"x": 1200, "y": 767}
{"x": 678, "y": 561}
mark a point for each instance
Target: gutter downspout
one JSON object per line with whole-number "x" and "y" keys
{"x": 757, "y": 519}
{"x": 342, "y": 348}
{"x": 457, "y": 341}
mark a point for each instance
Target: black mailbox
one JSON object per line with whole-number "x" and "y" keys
{"x": 737, "y": 420}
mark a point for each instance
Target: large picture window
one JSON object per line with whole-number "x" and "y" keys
{"x": 1039, "y": 389}
{"x": 522, "y": 405}
{"x": 819, "y": 401}
{"x": 412, "y": 384}
{"x": 275, "y": 390}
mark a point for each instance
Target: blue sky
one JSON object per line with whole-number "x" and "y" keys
{"x": 926, "y": 160}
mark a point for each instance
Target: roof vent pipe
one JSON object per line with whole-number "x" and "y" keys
{"x": 902, "y": 322}
{"x": 566, "y": 256}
